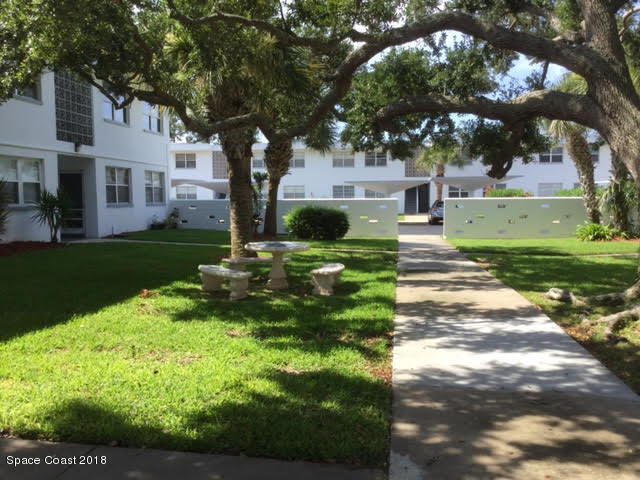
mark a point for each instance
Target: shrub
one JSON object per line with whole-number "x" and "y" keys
{"x": 507, "y": 192}
{"x": 4, "y": 206}
{"x": 317, "y": 223}
{"x": 53, "y": 210}
{"x": 572, "y": 192}
{"x": 593, "y": 232}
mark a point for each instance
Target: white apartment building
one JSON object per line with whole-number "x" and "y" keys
{"x": 112, "y": 163}
{"x": 199, "y": 172}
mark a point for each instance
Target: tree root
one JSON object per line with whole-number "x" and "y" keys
{"x": 615, "y": 321}
{"x": 608, "y": 299}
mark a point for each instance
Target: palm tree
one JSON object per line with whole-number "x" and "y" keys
{"x": 578, "y": 147}
{"x": 438, "y": 157}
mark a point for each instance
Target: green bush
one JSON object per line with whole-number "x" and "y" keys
{"x": 594, "y": 232}
{"x": 571, "y": 192}
{"x": 317, "y": 223}
{"x": 508, "y": 192}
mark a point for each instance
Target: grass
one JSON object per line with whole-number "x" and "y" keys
{"x": 532, "y": 275}
{"x": 216, "y": 237}
{"x": 542, "y": 246}
{"x": 115, "y": 342}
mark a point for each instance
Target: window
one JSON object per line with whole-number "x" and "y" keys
{"x": 548, "y": 189}
{"x": 185, "y": 160}
{"x": 457, "y": 192}
{"x": 110, "y": 112}
{"x": 371, "y": 194}
{"x": 293, "y": 191}
{"x": 375, "y": 159}
{"x": 74, "y": 109}
{"x": 257, "y": 163}
{"x": 342, "y": 159}
{"x": 343, "y": 191}
{"x": 595, "y": 154}
{"x": 118, "y": 186}
{"x": 23, "y": 177}
{"x": 152, "y": 118}
{"x": 186, "y": 193}
{"x": 553, "y": 156}
{"x": 297, "y": 161}
{"x": 154, "y": 187}
{"x": 500, "y": 186}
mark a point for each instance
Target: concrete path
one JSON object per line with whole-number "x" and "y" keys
{"x": 485, "y": 386}
{"x": 148, "y": 464}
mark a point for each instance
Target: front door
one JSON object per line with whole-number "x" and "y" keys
{"x": 71, "y": 183}
{"x": 423, "y": 198}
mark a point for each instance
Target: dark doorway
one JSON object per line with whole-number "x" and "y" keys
{"x": 423, "y": 198}
{"x": 410, "y": 200}
{"x": 71, "y": 183}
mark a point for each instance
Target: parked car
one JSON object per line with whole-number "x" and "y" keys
{"x": 436, "y": 213}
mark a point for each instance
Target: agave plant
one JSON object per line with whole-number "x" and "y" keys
{"x": 53, "y": 210}
{"x": 4, "y": 206}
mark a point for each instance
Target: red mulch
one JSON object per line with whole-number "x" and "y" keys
{"x": 16, "y": 248}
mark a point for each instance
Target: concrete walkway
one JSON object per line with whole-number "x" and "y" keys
{"x": 487, "y": 387}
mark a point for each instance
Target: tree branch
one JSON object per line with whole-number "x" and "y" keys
{"x": 626, "y": 18}
{"x": 545, "y": 103}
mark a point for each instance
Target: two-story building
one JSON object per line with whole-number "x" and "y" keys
{"x": 199, "y": 172}
{"x": 111, "y": 162}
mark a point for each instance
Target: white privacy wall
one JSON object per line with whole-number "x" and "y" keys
{"x": 368, "y": 218}
{"x": 539, "y": 217}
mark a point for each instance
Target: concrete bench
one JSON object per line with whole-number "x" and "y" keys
{"x": 240, "y": 264}
{"x": 213, "y": 275}
{"x": 325, "y": 277}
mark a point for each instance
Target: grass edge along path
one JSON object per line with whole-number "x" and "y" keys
{"x": 114, "y": 343}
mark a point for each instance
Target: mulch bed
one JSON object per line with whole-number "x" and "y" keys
{"x": 16, "y": 248}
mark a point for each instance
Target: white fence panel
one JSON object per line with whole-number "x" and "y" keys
{"x": 536, "y": 217}
{"x": 368, "y": 218}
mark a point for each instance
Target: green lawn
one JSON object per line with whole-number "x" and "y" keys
{"x": 533, "y": 275}
{"x": 87, "y": 355}
{"x": 542, "y": 246}
{"x": 223, "y": 238}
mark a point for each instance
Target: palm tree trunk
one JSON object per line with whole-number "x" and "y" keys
{"x": 619, "y": 205}
{"x": 440, "y": 169}
{"x": 277, "y": 157}
{"x": 236, "y": 145}
{"x": 580, "y": 153}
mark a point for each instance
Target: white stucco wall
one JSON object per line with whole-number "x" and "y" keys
{"x": 28, "y": 129}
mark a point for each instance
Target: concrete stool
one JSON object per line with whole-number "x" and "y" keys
{"x": 240, "y": 264}
{"x": 213, "y": 275}
{"x": 325, "y": 277}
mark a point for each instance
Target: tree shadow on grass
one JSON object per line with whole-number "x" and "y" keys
{"x": 319, "y": 415}
{"x": 44, "y": 289}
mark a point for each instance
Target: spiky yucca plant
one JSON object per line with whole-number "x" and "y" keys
{"x": 4, "y": 206}
{"x": 53, "y": 209}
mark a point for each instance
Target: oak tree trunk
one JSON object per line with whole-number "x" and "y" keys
{"x": 236, "y": 145}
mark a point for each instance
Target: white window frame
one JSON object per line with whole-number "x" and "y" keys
{"x": 375, "y": 159}
{"x": 154, "y": 182}
{"x": 293, "y": 191}
{"x": 552, "y": 187}
{"x": 373, "y": 194}
{"x": 297, "y": 161}
{"x": 340, "y": 191}
{"x": 457, "y": 192}
{"x": 37, "y": 89}
{"x": 111, "y": 115}
{"x": 19, "y": 178}
{"x": 185, "y": 160}
{"x": 152, "y": 118}
{"x": 343, "y": 159}
{"x": 595, "y": 154}
{"x": 186, "y": 192}
{"x": 119, "y": 202}
{"x": 552, "y": 156}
